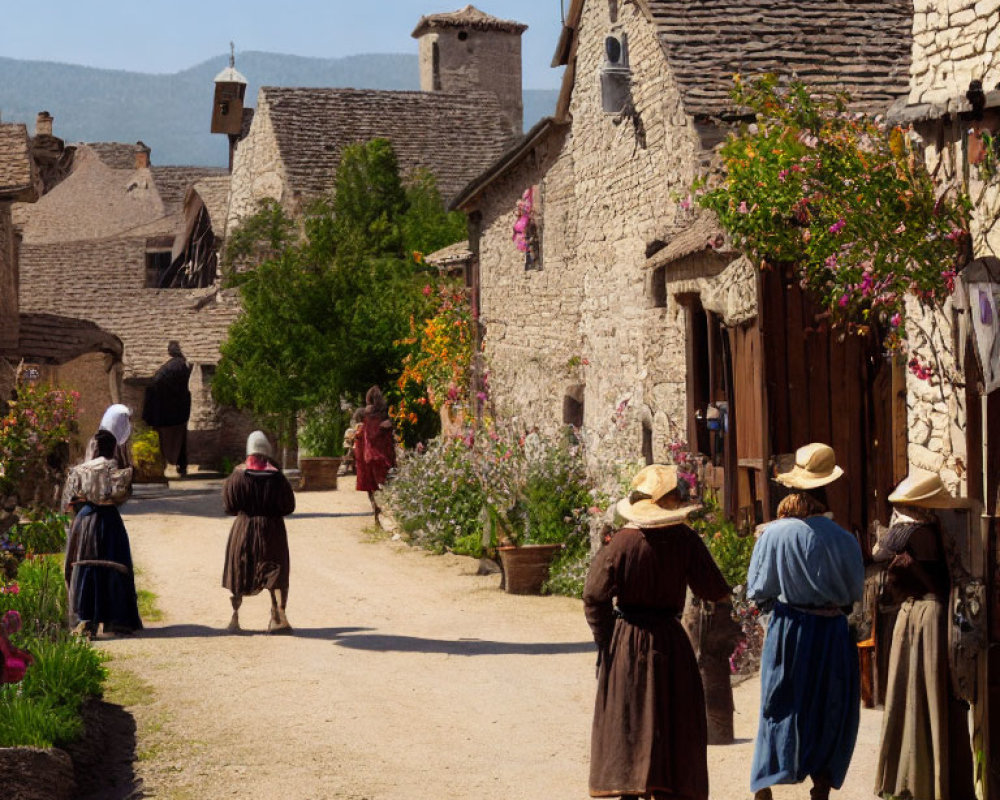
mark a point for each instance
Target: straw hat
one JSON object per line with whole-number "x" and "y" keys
{"x": 924, "y": 489}
{"x": 650, "y": 488}
{"x": 258, "y": 445}
{"x": 815, "y": 465}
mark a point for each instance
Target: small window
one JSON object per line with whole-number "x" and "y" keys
{"x": 436, "y": 66}
{"x": 658, "y": 287}
{"x": 157, "y": 265}
{"x": 463, "y": 35}
{"x": 647, "y": 442}
{"x": 573, "y": 406}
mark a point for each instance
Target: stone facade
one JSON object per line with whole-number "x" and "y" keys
{"x": 954, "y": 42}
{"x": 583, "y": 328}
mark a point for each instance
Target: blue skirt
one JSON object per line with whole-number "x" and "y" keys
{"x": 810, "y": 700}
{"x": 102, "y": 593}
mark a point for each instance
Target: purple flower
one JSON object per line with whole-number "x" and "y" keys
{"x": 844, "y": 299}
{"x": 838, "y": 226}
{"x": 896, "y": 319}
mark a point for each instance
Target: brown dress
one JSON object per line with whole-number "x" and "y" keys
{"x": 257, "y": 550}
{"x": 925, "y": 752}
{"x": 649, "y": 734}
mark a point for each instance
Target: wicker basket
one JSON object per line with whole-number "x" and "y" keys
{"x": 526, "y": 567}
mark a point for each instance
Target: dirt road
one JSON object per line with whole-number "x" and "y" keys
{"x": 407, "y": 676}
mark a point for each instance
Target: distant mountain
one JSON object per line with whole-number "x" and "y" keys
{"x": 171, "y": 113}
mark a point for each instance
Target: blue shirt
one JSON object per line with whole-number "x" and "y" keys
{"x": 808, "y": 562}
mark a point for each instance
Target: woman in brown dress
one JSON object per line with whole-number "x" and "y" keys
{"x": 925, "y": 752}
{"x": 260, "y": 496}
{"x": 649, "y": 737}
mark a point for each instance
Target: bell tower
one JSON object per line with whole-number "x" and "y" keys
{"x": 468, "y": 50}
{"x": 227, "y": 108}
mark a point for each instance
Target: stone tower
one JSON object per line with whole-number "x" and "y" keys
{"x": 468, "y": 50}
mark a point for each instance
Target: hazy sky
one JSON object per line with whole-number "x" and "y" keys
{"x": 170, "y": 35}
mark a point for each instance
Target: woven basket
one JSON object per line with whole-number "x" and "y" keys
{"x": 526, "y": 567}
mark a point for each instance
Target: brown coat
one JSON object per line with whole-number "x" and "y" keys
{"x": 257, "y": 550}
{"x": 649, "y": 733}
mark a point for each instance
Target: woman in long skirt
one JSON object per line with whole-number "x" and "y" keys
{"x": 260, "y": 496}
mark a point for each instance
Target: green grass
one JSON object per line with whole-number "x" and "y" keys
{"x": 148, "y": 610}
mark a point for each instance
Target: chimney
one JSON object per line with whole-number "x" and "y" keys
{"x": 141, "y": 156}
{"x": 43, "y": 124}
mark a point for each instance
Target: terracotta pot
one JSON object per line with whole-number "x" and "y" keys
{"x": 526, "y": 567}
{"x": 318, "y": 473}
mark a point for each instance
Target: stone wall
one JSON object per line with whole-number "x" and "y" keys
{"x": 475, "y": 60}
{"x": 585, "y": 325}
{"x": 258, "y": 172}
{"x": 954, "y": 41}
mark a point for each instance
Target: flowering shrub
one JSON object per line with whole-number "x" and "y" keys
{"x": 846, "y": 200}
{"x": 438, "y": 368}
{"x": 146, "y": 454}
{"x": 527, "y": 490}
{"x": 36, "y": 423}
{"x": 522, "y": 225}
{"x": 40, "y": 530}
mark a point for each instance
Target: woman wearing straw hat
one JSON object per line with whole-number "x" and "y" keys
{"x": 649, "y": 737}
{"x": 260, "y": 496}
{"x": 925, "y": 752}
{"x": 812, "y": 570}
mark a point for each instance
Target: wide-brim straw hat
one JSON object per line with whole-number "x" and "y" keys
{"x": 924, "y": 489}
{"x": 815, "y": 466}
{"x": 649, "y": 488}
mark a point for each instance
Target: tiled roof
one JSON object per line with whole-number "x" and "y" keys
{"x": 17, "y": 177}
{"x": 861, "y": 46}
{"x": 468, "y": 17}
{"x": 116, "y": 155}
{"x": 457, "y": 253}
{"x": 51, "y": 339}
{"x": 214, "y": 194}
{"x": 703, "y": 233}
{"x": 172, "y": 183}
{"x": 102, "y": 281}
{"x": 454, "y": 136}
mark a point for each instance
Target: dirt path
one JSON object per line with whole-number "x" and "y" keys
{"x": 408, "y": 676}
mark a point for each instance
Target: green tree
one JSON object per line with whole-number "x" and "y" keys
{"x": 327, "y": 302}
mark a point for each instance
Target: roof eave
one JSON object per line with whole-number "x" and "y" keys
{"x": 464, "y": 199}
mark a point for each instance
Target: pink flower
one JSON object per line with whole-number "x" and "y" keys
{"x": 844, "y": 300}
{"x": 686, "y": 203}
{"x": 901, "y": 228}
{"x": 782, "y": 175}
{"x": 838, "y": 226}
{"x": 895, "y": 320}
{"x": 427, "y": 291}
{"x": 743, "y": 207}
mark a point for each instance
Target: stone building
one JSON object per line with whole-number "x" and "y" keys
{"x": 953, "y": 112}
{"x": 108, "y": 243}
{"x": 467, "y": 112}
{"x": 629, "y": 313}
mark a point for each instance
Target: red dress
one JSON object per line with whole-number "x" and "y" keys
{"x": 374, "y": 453}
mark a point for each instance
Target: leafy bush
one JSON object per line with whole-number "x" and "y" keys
{"x": 67, "y": 670}
{"x": 40, "y": 595}
{"x": 322, "y": 431}
{"x": 146, "y": 453}
{"x": 41, "y": 530}
{"x": 533, "y": 491}
{"x": 728, "y": 547}
{"x": 437, "y": 498}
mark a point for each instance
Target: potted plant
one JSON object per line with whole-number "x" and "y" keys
{"x": 321, "y": 440}
{"x": 147, "y": 458}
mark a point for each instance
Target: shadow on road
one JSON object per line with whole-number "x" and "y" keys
{"x": 328, "y": 514}
{"x": 462, "y": 647}
{"x": 203, "y": 631}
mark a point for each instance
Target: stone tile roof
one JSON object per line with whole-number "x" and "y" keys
{"x": 172, "y": 183}
{"x": 214, "y": 194}
{"x": 116, "y": 155}
{"x": 703, "y": 233}
{"x": 452, "y": 135}
{"x": 457, "y": 253}
{"x": 17, "y": 176}
{"x": 861, "y": 46}
{"x": 51, "y": 339}
{"x": 468, "y": 17}
{"x": 102, "y": 281}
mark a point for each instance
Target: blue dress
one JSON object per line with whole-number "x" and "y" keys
{"x": 102, "y": 587}
{"x": 810, "y": 682}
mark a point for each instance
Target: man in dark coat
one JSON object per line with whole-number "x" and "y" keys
{"x": 167, "y": 407}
